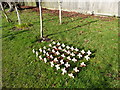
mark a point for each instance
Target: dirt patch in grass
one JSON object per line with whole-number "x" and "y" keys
{"x": 105, "y": 18}
{"x": 68, "y": 14}
{"x": 23, "y": 26}
{"x": 27, "y": 7}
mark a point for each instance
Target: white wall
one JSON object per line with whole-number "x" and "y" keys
{"x": 104, "y": 7}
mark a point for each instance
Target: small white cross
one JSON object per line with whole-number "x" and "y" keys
{"x": 59, "y": 47}
{"x": 68, "y": 58}
{"x": 57, "y": 66}
{"x": 45, "y": 60}
{"x": 67, "y": 47}
{"x": 83, "y": 52}
{"x": 71, "y": 75}
{"x": 48, "y": 49}
{"x": 55, "y": 59}
{"x": 74, "y": 60}
{"x": 58, "y": 43}
{"x": 63, "y": 55}
{"x": 53, "y": 50}
{"x": 40, "y": 57}
{"x": 40, "y": 50}
{"x": 44, "y": 47}
{"x": 72, "y": 54}
{"x": 51, "y": 56}
{"x": 67, "y": 65}
{"x": 87, "y": 57}
{"x": 50, "y": 45}
{"x": 63, "y": 71}
{"x": 33, "y": 50}
{"x": 82, "y": 64}
{"x": 61, "y": 61}
{"x": 57, "y": 53}
{"x": 79, "y": 55}
{"x": 72, "y": 48}
{"x": 36, "y": 53}
{"x": 68, "y": 52}
{"x": 54, "y": 47}
{"x": 65, "y": 51}
{"x": 75, "y": 69}
{"x": 47, "y": 54}
{"x": 63, "y": 45}
{"x": 88, "y": 52}
{"x": 44, "y": 51}
{"x": 52, "y": 64}
{"x": 54, "y": 42}
{"x": 76, "y": 49}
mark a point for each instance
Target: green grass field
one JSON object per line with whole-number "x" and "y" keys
{"x": 21, "y": 69}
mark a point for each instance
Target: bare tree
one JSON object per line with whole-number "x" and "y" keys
{"x": 18, "y": 15}
{"x": 5, "y": 14}
{"x": 11, "y": 6}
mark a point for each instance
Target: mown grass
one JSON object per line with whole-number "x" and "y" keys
{"x": 20, "y": 67}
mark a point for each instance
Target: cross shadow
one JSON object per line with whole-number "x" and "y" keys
{"x": 73, "y": 28}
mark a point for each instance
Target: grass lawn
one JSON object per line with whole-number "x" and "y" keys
{"x": 20, "y": 68}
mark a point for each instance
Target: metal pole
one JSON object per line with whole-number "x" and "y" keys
{"x": 41, "y": 31}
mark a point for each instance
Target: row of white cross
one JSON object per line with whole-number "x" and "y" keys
{"x": 55, "y": 49}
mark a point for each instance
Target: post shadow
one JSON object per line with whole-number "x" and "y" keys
{"x": 74, "y": 20}
{"x": 13, "y": 35}
{"x": 73, "y": 28}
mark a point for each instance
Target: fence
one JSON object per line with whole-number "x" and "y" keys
{"x": 98, "y": 7}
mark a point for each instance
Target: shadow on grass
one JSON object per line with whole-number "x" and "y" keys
{"x": 73, "y": 15}
{"x": 12, "y": 36}
{"x": 67, "y": 17}
{"x": 74, "y": 20}
{"x": 50, "y": 19}
{"x": 74, "y": 28}
{"x": 3, "y": 26}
